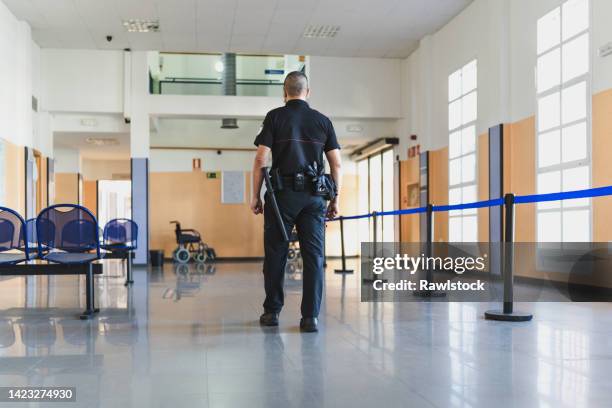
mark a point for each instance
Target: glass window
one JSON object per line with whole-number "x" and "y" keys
{"x": 549, "y": 149}
{"x": 463, "y": 113}
{"x": 575, "y": 17}
{"x": 549, "y": 227}
{"x": 549, "y": 30}
{"x": 454, "y": 85}
{"x": 574, "y": 101}
{"x": 376, "y": 193}
{"x": 574, "y": 142}
{"x": 548, "y": 111}
{"x": 549, "y": 70}
{"x": 563, "y": 139}
{"x": 575, "y": 58}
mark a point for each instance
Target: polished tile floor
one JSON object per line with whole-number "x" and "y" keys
{"x": 189, "y": 337}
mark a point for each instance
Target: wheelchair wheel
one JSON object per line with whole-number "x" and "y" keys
{"x": 182, "y": 255}
{"x": 182, "y": 269}
{"x": 200, "y": 257}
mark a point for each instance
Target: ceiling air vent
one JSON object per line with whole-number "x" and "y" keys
{"x": 141, "y": 26}
{"x": 321, "y": 31}
{"x": 102, "y": 141}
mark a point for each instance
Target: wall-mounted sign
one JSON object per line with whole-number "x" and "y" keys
{"x": 233, "y": 187}
{"x": 212, "y": 175}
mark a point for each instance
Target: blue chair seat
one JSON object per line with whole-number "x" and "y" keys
{"x": 11, "y": 258}
{"x": 70, "y": 258}
{"x": 119, "y": 247}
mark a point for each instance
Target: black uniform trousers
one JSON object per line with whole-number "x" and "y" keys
{"x": 306, "y": 212}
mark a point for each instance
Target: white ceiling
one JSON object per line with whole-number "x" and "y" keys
{"x": 369, "y": 28}
{"x": 78, "y": 141}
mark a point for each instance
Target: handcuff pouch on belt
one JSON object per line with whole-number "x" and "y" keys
{"x": 323, "y": 184}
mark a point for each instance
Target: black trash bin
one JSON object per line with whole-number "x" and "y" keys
{"x": 157, "y": 257}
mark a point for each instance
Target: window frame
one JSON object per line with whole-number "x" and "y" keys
{"x": 559, "y": 88}
{"x": 381, "y": 228}
{"x": 462, "y": 214}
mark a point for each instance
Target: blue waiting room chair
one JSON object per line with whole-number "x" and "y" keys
{"x": 120, "y": 234}
{"x": 68, "y": 234}
{"x": 121, "y": 239}
{"x": 13, "y": 248}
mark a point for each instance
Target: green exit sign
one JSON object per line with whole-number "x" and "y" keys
{"x": 212, "y": 175}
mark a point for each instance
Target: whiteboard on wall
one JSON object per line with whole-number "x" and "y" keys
{"x": 233, "y": 187}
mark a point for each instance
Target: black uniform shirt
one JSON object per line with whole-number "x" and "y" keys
{"x": 297, "y": 135}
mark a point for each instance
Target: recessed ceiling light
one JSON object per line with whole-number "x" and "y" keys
{"x": 102, "y": 141}
{"x": 141, "y": 26}
{"x": 321, "y": 31}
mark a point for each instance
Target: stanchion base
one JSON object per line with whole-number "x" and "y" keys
{"x": 343, "y": 271}
{"x": 508, "y": 317}
{"x": 429, "y": 293}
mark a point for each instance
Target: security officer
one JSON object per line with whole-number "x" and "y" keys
{"x": 297, "y": 136}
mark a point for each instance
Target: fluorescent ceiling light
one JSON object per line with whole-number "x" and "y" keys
{"x": 321, "y": 31}
{"x": 102, "y": 141}
{"x": 141, "y": 26}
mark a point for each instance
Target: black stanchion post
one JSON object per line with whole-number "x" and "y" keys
{"x": 428, "y": 253}
{"x": 507, "y": 313}
{"x": 325, "y": 245}
{"x": 374, "y": 248}
{"x": 343, "y": 270}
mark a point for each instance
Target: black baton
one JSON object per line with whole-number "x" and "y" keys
{"x": 270, "y": 196}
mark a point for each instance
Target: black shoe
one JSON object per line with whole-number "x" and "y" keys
{"x": 309, "y": 324}
{"x": 269, "y": 319}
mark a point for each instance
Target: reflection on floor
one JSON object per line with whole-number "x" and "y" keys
{"x": 189, "y": 337}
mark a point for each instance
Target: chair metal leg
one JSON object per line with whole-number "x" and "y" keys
{"x": 129, "y": 278}
{"x": 89, "y": 294}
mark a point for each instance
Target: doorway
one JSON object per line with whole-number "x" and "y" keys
{"x": 114, "y": 200}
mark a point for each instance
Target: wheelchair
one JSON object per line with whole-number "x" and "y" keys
{"x": 190, "y": 246}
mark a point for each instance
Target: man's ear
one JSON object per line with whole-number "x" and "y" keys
{"x": 307, "y": 92}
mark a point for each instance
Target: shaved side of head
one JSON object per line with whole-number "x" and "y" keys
{"x": 296, "y": 84}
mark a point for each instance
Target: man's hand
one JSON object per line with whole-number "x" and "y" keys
{"x": 256, "y": 205}
{"x": 332, "y": 209}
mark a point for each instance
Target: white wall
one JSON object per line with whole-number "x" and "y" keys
{"x": 67, "y": 160}
{"x": 83, "y": 80}
{"x": 181, "y": 160}
{"x": 104, "y": 169}
{"x": 15, "y": 79}
{"x": 19, "y": 81}
{"x": 355, "y": 87}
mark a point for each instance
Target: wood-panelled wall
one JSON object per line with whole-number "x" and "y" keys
{"x": 348, "y": 206}
{"x": 90, "y": 196}
{"x": 409, "y": 175}
{"x": 14, "y": 173}
{"x": 438, "y": 191}
{"x": 67, "y": 188}
{"x": 602, "y": 164}
{"x": 520, "y": 179}
{"x": 195, "y": 201}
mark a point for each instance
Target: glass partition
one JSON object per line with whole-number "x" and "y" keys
{"x": 202, "y": 74}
